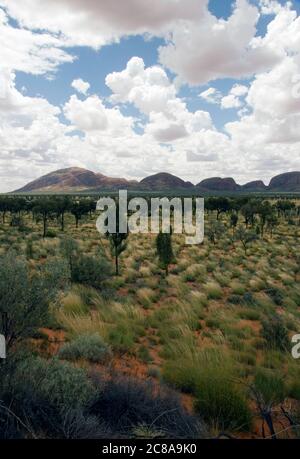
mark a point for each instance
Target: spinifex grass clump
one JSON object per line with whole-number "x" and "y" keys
{"x": 275, "y": 333}
{"x": 221, "y": 403}
{"x": 213, "y": 290}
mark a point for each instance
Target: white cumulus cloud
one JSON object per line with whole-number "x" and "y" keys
{"x": 81, "y": 86}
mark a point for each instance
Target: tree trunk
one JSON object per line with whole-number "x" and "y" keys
{"x": 269, "y": 421}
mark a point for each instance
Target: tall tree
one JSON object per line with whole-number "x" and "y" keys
{"x": 264, "y": 211}
{"x": 79, "y": 209}
{"x": 63, "y": 204}
{"x": 118, "y": 244}
{"x": 45, "y": 208}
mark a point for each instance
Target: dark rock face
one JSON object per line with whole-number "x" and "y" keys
{"x": 73, "y": 178}
{"x": 219, "y": 184}
{"x": 290, "y": 181}
{"x": 256, "y": 185}
{"x": 164, "y": 181}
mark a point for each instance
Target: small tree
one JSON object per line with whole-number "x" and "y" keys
{"x": 245, "y": 236}
{"x": 220, "y": 205}
{"x": 264, "y": 211}
{"x": 272, "y": 222}
{"x": 249, "y": 210}
{"x": 78, "y": 209}
{"x": 118, "y": 243}
{"x": 25, "y": 297}
{"x": 267, "y": 390}
{"x": 215, "y": 231}
{"x": 45, "y": 208}
{"x": 164, "y": 250}
{"x": 62, "y": 205}
{"x": 70, "y": 250}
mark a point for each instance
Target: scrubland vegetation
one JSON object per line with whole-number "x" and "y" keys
{"x": 193, "y": 341}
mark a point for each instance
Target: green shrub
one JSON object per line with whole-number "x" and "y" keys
{"x": 270, "y": 387}
{"x": 88, "y": 347}
{"x": 125, "y": 403}
{"x": 234, "y": 299}
{"x": 121, "y": 339}
{"x": 144, "y": 355}
{"x": 25, "y": 296}
{"x": 90, "y": 270}
{"x": 249, "y": 314}
{"x": 213, "y": 323}
{"x": 58, "y": 383}
{"x": 276, "y": 295}
{"x": 249, "y": 299}
{"x": 275, "y": 333}
{"x": 221, "y": 404}
{"x": 294, "y": 390}
{"x": 247, "y": 358}
{"x": 213, "y": 290}
{"x": 183, "y": 374}
{"x": 29, "y": 250}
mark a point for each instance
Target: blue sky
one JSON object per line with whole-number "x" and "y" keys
{"x": 93, "y": 66}
{"x": 201, "y": 92}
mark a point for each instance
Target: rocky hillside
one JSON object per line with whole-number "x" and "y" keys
{"x": 164, "y": 181}
{"x": 74, "y": 179}
{"x": 289, "y": 181}
{"x": 218, "y": 184}
{"x": 78, "y": 179}
{"x": 256, "y": 185}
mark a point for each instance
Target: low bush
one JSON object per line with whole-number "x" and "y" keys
{"x": 213, "y": 290}
{"x": 125, "y": 403}
{"x": 221, "y": 404}
{"x": 88, "y": 347}
{"x": 90, "y": 271}
{"x": 121, "y": 338}
{"x": 248, "y": 299}
{"x": 276, "y": 295}
{"x": 182, "y": 374}
{"x": 42, "y": 399}
{"x": 269, "y": 388}
{"x": 60, "y": 383}
{"x": 249, "y": 314}
{"x": 234, "y": 299}
{"x": 275, "y": 333}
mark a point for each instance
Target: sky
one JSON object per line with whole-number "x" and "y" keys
{"x": 196, "y": 88}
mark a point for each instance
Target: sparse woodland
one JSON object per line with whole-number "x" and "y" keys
{"x": 166, "y": 340}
